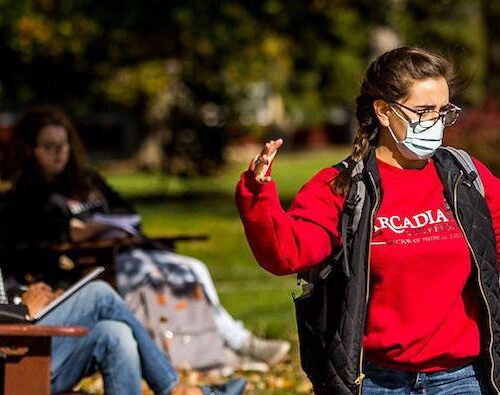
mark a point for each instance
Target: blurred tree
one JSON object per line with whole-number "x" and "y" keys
{"x": 194, "y": 72}
{"x": 458, "y": 30}
{"x": 491, "y": 12}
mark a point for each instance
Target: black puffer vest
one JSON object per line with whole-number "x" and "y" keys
{"x": 332, "y": 318}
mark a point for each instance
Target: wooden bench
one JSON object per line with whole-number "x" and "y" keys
{"x": 26, "y": 351}
{"x": 86, "y": 255}
{"x": 75, "y": 259}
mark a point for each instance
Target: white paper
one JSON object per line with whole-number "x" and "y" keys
{"x": 125, "y": 222}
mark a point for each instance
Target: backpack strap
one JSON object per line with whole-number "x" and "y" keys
{"x": 466, "y": 162}
{"x": 345, "y": 164}
{"x": 351, "y": 215}
{"x": 356, "y": 196}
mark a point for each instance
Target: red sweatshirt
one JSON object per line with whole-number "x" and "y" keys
{"x": 424, "y": 309}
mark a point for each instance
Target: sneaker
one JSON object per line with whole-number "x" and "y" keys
{"x": 232, "y": 387}
{"x": 268, "y": 351}
{"x": 234, "y": 361}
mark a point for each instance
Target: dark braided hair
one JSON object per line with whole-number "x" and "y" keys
{"x": 389, "y": 77}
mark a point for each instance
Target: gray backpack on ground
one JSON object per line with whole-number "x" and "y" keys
{"x": 181, "y": 323}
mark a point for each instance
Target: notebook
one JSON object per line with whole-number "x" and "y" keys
{"x": 67, "y": 293}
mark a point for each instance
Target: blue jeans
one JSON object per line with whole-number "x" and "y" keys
{"x": 117, "y": 345}
{"x": 469, "y": 379}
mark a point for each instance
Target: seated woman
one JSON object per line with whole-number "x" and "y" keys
{"x": 117, "y": 346}
{"x": 55, "y": 189}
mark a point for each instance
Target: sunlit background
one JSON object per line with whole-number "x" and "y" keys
{"x": 179, "y": 81}
{"x": 173, "y": 98}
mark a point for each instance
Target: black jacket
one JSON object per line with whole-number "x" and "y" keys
{"x": 332, "y": 353}
{"x": 34, "y": 215}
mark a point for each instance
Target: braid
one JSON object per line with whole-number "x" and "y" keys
{"x": 364, "y": 139}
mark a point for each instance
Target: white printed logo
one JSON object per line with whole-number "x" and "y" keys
{"x": 399, "y": 225}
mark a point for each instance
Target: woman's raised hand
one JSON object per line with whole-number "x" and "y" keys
{"x": 260, "y": 164}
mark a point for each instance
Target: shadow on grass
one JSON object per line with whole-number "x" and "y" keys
{"x": 193, "y": 198}
{"x": 185, "y": 197}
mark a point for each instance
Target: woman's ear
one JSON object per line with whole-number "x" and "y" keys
{"x": 382, "y": 110}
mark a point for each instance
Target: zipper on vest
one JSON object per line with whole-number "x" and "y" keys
{"x": 361, "y": 376}
{"x": 480, "y": 283}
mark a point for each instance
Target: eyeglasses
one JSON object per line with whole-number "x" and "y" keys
{"x": 428, "y": 118}
{"x": 54, "y": 148}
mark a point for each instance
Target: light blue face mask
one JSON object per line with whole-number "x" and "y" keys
{"x": 422, "y": 138}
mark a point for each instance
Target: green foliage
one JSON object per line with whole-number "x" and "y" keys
{"x": 458, "y": 30}
{"x": 216, "y": 63}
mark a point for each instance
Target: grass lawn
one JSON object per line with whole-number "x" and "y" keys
{"x": 206, "y": 205}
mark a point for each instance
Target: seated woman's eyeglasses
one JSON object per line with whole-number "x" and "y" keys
{"x": 428, "y": 118}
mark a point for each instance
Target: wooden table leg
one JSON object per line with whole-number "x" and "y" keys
{"x": 27, "y": 366}
{"x": 26, "y": 350}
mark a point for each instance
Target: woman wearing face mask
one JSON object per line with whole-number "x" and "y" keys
{"x": 417, "y": 309}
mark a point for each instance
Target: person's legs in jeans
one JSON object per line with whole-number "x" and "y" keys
{"x": 470, "y": 379}
{"x": 98, "y": 302}
{"x": 108, "y": 347}
{"x": 380, "y": 381}
{"x": 466, "y": 380}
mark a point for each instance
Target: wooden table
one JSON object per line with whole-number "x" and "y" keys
{"x": 26, "y": 348}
